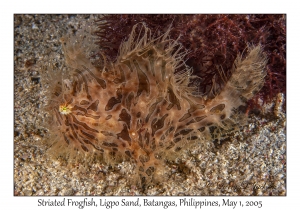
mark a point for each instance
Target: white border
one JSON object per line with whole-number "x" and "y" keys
{"x": 154, "y": 6}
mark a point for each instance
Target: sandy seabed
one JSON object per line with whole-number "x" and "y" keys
{"x": 252, "y": 163}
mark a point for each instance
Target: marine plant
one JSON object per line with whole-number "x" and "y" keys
{"x": 214, "y": 42}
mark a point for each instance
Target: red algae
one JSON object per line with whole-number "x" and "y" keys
{"x": 213, "y": 41}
